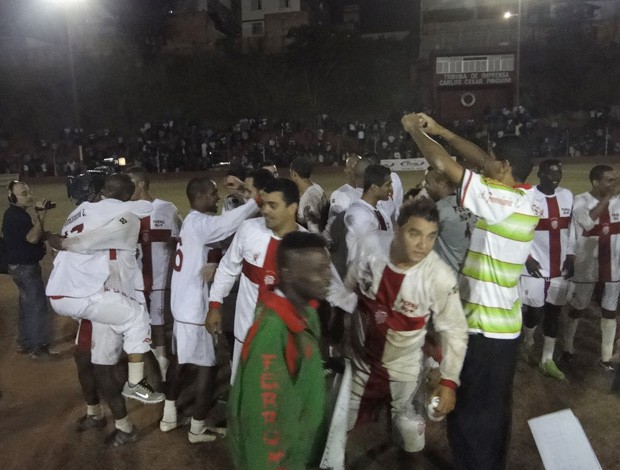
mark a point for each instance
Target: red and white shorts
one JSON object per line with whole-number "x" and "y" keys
{"x": 372, "y": 389}
{"x": 535, "y": 291}
{"x": 105, "y": 346}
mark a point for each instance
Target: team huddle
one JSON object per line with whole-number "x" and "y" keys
{"x": 295, "y": 288}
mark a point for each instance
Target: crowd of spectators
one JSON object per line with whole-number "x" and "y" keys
{"x": 168, "y": 146}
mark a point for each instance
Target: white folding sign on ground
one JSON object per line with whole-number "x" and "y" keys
{"x": 562, "y": 442}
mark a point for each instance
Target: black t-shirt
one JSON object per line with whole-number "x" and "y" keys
{"x": 15, "y": 226}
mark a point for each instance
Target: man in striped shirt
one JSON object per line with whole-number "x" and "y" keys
{"x": 507, "y": 211}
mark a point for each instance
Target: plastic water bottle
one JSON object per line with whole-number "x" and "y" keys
{"x": 432, "y": 414}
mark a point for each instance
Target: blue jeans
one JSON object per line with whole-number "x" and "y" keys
{"x": 34, "y": 318}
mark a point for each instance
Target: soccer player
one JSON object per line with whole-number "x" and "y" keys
{"x": 96, "y": 278}
{"x": 596, "y": 227}
{"x": 364, "y": 215}
{"x": 403, "y": 285}
{"x": 313, "y": 202}
{"x": 278, "y": 400}
{"x": 508, "y": 212}
{"x": 341, "y": 198}
{"x": 190, "y": 294}
{"x": 252, "y": 256}
{"x": 543, "y": 286}
{"x": 158, "y": 233}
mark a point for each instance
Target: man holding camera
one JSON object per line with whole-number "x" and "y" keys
{"x": 24, "y": 237}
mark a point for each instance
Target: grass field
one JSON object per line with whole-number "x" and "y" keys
{"x": 171, "y": 187}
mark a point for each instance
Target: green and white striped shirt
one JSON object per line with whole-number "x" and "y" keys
{"x": 500, "y": 245}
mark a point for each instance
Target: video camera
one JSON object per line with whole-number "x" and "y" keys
{"x": 86, "y": 186}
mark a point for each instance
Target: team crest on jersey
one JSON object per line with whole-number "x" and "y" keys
{"x": 144, "y": 236}
{"x": 380, "y": 316}
{"x": 554, "y": 223}
{"x": 270, "y": 278}
{"x": 605, "y": 229}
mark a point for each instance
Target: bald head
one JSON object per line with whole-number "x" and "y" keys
{"x": 359, "y": 169}
{"x": 118, "y": 186}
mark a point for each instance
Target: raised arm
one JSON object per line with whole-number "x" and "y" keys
{"x": 427, "y": 126}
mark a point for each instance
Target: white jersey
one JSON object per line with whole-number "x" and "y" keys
{"x": 98, "y": 232}
{"x": 339, "y": 201}
{"x": 311, "y": 205}
{"x": 395, "y": 306}
{"x": 551, "y": 239}
{"x": 155, "y": 246}
{"x": 597, "y": 242}
{"x": 189, "y": 293}
{"x": 252, "y": 256}
{"x": 360, "y": 219}
{"x": 392, "y": 206}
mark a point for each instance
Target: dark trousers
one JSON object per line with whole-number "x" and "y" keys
{"x": 34, "y": 318}
{"x": 479, "y": 426}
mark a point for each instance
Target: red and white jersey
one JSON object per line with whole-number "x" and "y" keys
{"x": 189, "y": 293}
{"x": 158, "y": 232}
{"x": 551, "y": 239}
{"x": 311, "y": 205}
{"x": 395, "y": 306}
{"x": 597, "y": 242}
{"x": 98, "y": 233}
{"x": 252, "y": 255}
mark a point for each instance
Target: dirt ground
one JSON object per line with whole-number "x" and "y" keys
{"x": 41, "y": 402}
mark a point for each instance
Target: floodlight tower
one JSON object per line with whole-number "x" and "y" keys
{"x": 507, "y": 16}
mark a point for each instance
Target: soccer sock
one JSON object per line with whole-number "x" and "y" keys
{"x": 124, "y": 424}
{"x": 95, "y": 411}
{"x": 608, "y": 332}
{"x": 548, "y": 348}
{"x": 529, "y": 336}
{"x": 170, "y": 411}
{"x": 162, "y": 360}
{"x": 135, "y": 373}
{"x": 198, "y": 427}
{"x": 569, "y": 334}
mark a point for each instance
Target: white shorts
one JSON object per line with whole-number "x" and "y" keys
{"x": 580, "y": 295}
{"x": 535, "y": 291}
{"x": 408, "y": 424}
{"x": 135, "y": 331}
{"x": 193, "y": 344}
{"x": 157, "y": 307}
{"x": 104, "y": 344}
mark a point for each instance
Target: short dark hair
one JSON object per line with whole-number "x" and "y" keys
{"x": 118, "y": 186}
{"x": 422, "y": 207}
{"x": 140, "y": 174}
{"x": 375, "y": 174}
{"x": 261, "y": 178}
{"x": 297, "y": 240}
{"x": 288, "y": 188}
{"x": 302, "y": 166}
{"x": 237, "y": 170}
{"x": 548, "y": 163}
{"x": 266, "y": 163}
{"x": 596, "y": 173}
{"x": 196, "y": 186}
{"x": 518, "y": 153}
